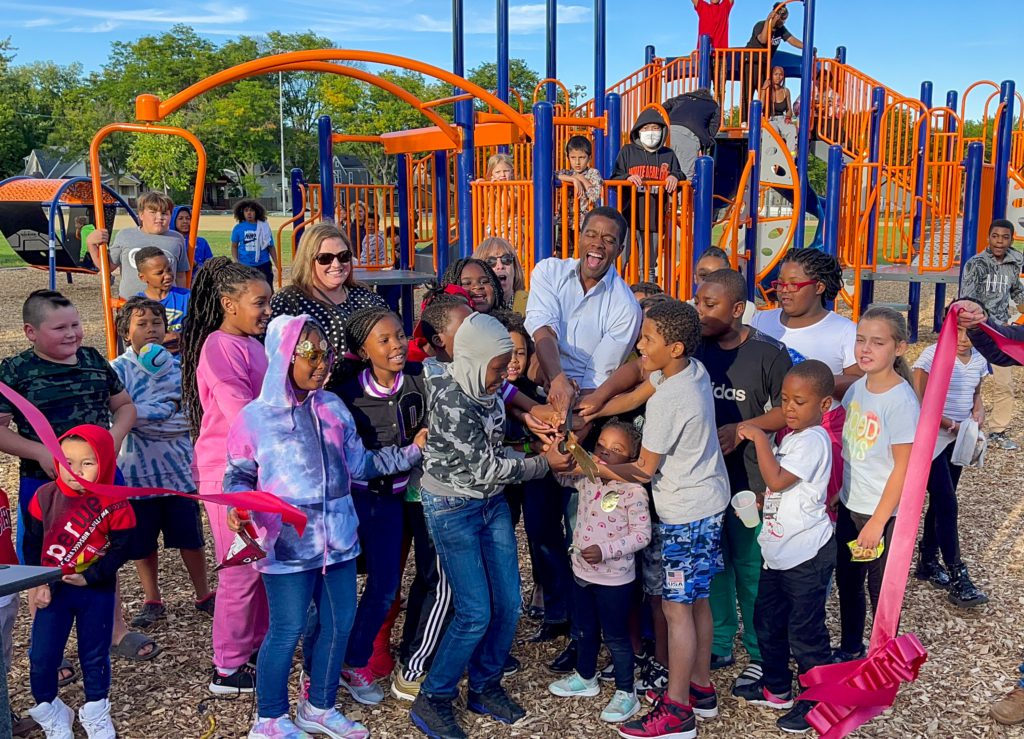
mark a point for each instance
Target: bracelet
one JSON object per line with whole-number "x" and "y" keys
{"x": 526, "y": 448}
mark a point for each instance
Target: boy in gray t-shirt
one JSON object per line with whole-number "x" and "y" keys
{"x": 155, "y": 219}
{"x": 680, "y": 455}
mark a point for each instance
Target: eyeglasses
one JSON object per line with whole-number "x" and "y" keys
{"x": 507, "y": 259}
{"x": 482, "y": 282}
{"x": 790, "y": 287}
{"x": 315, "y": 356}
{"x": 325, "y": 258}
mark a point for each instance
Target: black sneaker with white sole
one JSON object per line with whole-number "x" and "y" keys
{"x": 704, "y": 701}
{"x": 435, "y": 717}
{"x": 242, "y": 680}
{"x": 493, "y": 701}
{"x": 653, "y": 680}
{"x": 511, "y": 667}
{"x": 795, "y": 722}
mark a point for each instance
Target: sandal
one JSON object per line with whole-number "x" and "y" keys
{"x": 206, "y": 603}
{"x": 69, "y": 673}
{"x": 132, "y": 645}
{"x": 152, "y": 611}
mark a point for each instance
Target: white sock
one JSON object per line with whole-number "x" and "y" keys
{"x": 227, "y": 672}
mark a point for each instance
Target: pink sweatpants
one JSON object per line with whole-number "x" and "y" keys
{"x": 241, "y": 614}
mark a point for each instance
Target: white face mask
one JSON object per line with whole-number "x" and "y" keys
{"x": 650, "y": 139}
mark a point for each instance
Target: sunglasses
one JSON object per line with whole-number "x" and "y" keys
{"x": 507, "y": 259}
{"x": 790, "y": 287}
{"x": 325, "y": 258}
{"x": 315, "y": 356}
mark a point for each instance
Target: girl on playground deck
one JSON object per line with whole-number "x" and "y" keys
{"x": 881, "y": 418}
{"x": 299, "y": 442}
{"x": 387, "y": 400}
{"x": 222, "y": 368}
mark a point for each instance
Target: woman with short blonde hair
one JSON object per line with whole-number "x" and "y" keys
{"x": 503, "y": 259}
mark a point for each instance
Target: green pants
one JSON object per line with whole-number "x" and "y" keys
{"x": 737, "y": 583}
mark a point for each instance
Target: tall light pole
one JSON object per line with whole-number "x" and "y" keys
{"x": 280, "y": 110}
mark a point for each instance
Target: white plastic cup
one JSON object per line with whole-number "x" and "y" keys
{"x": 745, "y": 504}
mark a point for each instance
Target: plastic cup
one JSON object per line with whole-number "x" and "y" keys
{"x": 745, "y": 504}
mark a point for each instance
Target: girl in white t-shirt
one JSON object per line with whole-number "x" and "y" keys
{"x": 963, "y": 402}
{"x": 881, "y": 419}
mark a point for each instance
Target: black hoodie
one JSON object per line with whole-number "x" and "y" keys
{"x": 634, "y": 159}
{"x": 696, "y": 111}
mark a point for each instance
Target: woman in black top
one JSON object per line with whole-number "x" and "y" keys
{"x": 323, "y": 286}
{"x": 778, "y": 106}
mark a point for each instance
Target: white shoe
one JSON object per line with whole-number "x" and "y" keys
{"x": 55, "y": 719}
{"x": 95, "y": 717}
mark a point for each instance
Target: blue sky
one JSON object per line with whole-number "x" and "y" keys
{"x": 898, "y": 42}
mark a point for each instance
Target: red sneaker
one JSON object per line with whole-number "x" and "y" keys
{"x": 667, "y": 720}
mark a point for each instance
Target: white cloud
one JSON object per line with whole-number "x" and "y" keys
{"x": 38, "y": 22}
{"x": 202, "y": 15}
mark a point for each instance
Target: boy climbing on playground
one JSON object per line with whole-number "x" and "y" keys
{"x": 993, "y": 279}
{"x": 155, "y": 271}
{"x": 154, "y": 230}
{"x": 647, "y": 157}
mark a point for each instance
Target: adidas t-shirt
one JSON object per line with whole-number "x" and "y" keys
{"x": 746, "y": 382}
{"x": 831, "y": 340}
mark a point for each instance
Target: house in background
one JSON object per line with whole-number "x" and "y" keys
{"x": 49, "y": 164}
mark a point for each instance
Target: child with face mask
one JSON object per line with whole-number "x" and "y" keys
{"x": 647, "y": 157}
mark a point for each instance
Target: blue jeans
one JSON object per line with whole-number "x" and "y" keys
{"x": 93, "y": 610}
{"x": 289, "y": 596}
{"x": 380, "y": 536}
{"x": 477, "y": 548}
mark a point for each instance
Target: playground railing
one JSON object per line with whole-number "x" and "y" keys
{"x": 636, "y": 80}
{"x": 843, "y": 105}
{"x": 858, "y": 202}
{"x": 937, "y": 237}
{"x": 373, "y": 245}
{"x": 737, "y": 75}
{"x": 505, "y": 209}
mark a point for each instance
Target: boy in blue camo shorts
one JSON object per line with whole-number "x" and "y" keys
{"x": 682, "y": 459}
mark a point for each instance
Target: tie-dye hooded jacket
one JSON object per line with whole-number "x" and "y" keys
{"x": 307, "y": 454}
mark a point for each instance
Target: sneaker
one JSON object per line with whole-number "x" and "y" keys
{"x": 756, "y": 694}
{"x": 276, "y": 728}
{"x": 841, "y": 655}
{"x": 549, "y": 632}
{"x": 55, "y": 719}
{"x": 752, "y": 673}
{"x": 704, "y": 701}
{"x": 565, "y": 662}
{"x": 607, "y": 673}
{"x": 622, "y": 707}
{"x": 1008, "y": 711}
{"x": 435, "y": 718}
{"x": 653, "y": 680}
{"x": 931, "y": 570}
{"x": 1001, "y": 440}
{"x": 721, "y": 661}
{"x": 511, "y": 667}
{"x": 405, "y": 690}
{"x": 207, "y": 603}
{"x": 329, "y": 722}
{"x": 95, "y": 718}
{"x": 152, "y": 611}
{"x": 493, "y": 701}
{"x": 360, "y": 683}
{"x": 963, "y": 592}
{"x": 795, "y": 722}
{"x": 666, "y": 719}
{"x": 574, "y": 684}
{"x": 242, "y": 680}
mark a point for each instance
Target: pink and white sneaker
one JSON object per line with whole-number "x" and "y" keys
{"x": 330, "y": 722}
{"x": 276, "y": 728}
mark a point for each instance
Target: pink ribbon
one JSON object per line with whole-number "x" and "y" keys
{"x": 253, "y": 500}
{"x": 853, "y": 693}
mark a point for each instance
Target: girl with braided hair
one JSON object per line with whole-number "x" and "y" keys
{"x": 222, "y": 369}
{"x": 478, "y": 279}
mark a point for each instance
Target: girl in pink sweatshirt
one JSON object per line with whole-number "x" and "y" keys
{"x": 613, "y": 523}
{"x": 222, "y": 369}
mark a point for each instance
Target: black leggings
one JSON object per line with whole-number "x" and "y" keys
{"x": 601, "y": 612}
{"x": 850, "y": 577}
{"x": 940, "y": 532}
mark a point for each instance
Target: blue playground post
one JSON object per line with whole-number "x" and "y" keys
{"x": 441, "y": 228}
{"x": 703, "y": 204}
{"x": 649, "y": 54}
{"x": 841, "y": 54}
{"x": 754, "y": 196}
{"x": 972, "y": 203}
{"x": 1003, "y": 135}
{"x": 464, "y": 117}
{"x": 405, "y": 239}
{"x": 503, "y": 50}
{"x": 458, "y": 39}
{"x": 914, "y": 288}
{"x": 704, "y": 61}
{"x": 804, "y": 133}
{"x": 940, "y": 287}
{"x": 832, "y": 194}
{"x": 298, "y": 207}
{"x": 543, "y": 179}
{"x": 600, "y": 36}
{"x": 613, "y": 105}
{"x": 326, "y": 167}
{"x": 551, "y": 69}
{"x": 867, "y": 289}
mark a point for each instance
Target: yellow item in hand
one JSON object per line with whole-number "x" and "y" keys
{"x": 865, "y": 554}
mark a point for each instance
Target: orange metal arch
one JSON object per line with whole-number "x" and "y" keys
{"x": 151, "y": 108}
{"x": 97, "y": 196}
{"x": 544, "y": 83}
{"x": 970, "y": 89}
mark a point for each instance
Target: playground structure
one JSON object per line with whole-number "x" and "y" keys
{"x": 903, "y": 202}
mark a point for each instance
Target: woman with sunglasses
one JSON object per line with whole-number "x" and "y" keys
{"x": 323, "y": 286}
{"x": 501, "y": 256}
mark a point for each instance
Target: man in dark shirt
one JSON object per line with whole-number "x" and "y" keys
{"x": 773, "y": 29}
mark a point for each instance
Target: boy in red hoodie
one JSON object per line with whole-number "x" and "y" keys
{"x": 88, "y": 536}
